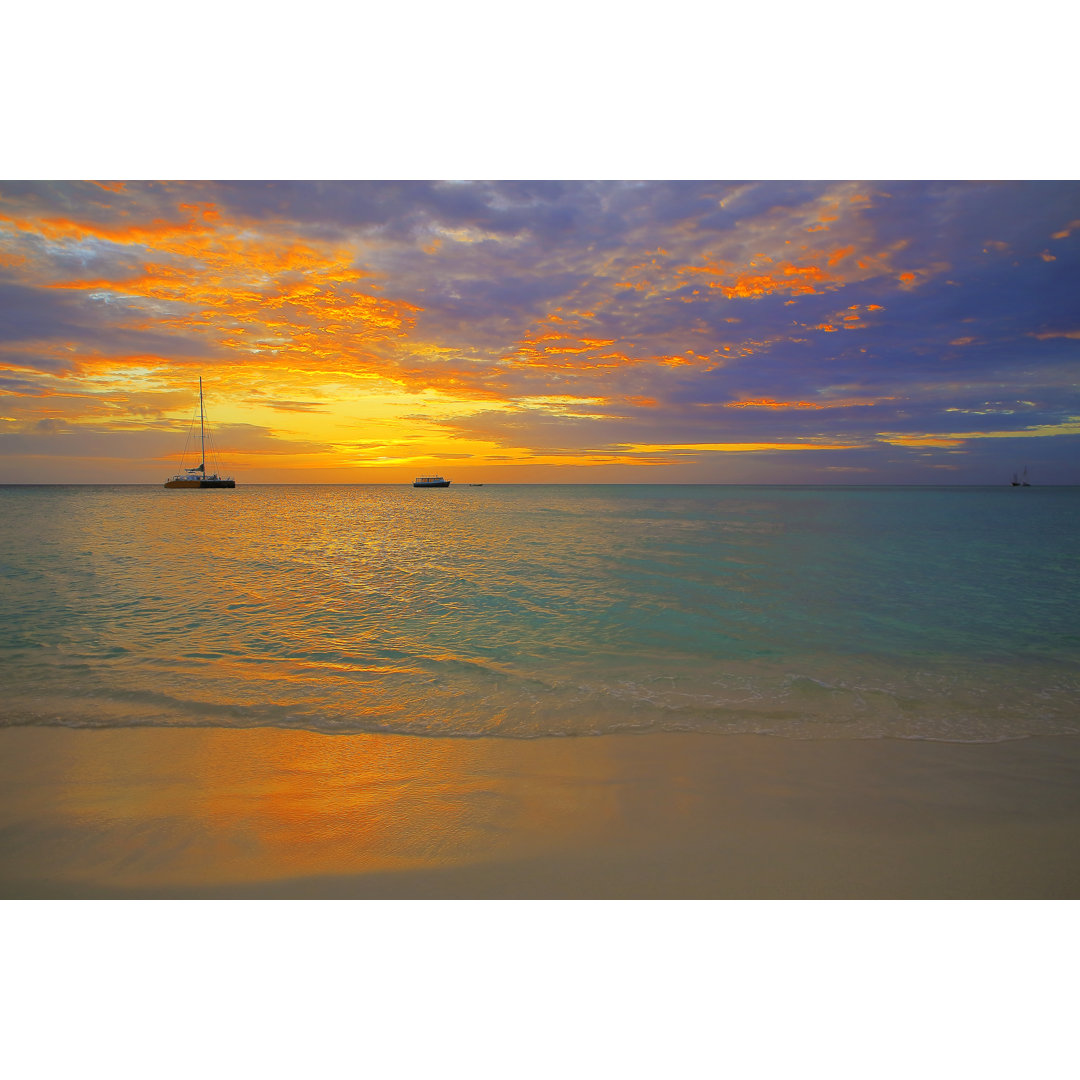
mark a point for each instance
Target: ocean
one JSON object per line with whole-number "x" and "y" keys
{"x": 522, "y": 611}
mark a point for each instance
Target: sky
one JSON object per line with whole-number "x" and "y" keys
{"x": 542, "y": 332}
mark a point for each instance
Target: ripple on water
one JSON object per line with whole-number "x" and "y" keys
{"x": 527, "y": 611}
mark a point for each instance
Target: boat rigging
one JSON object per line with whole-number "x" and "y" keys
{"x": 197, "y": 477}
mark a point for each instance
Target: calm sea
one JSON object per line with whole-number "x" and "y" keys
{"x": 521, "y": 611}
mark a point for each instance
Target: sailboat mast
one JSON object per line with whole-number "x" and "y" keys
{"x": 189, "y": 477}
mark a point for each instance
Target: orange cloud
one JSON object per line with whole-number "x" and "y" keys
{"x": 769, "y": 403}
{"x": 59, "y": 229}
{"x": 732, "y": 447}
{"x": 276, "y": 301}
{"x": 813, "y": 272}
{"x": 1070, "y": 426}
{"x": 942, "y": 441}
{"x": 912, "y": 279}
{"x": 1075, "y": 334}
{"x": 788, "y": 278}
{"x": 567, "y": 352}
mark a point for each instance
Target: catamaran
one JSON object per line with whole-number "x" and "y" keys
{"x": 196, "y": 477}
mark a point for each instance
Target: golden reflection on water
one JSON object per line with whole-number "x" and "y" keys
{"x": 153, "y": 808}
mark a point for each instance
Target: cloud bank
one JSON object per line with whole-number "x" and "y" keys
{"x": 677, "y": 332}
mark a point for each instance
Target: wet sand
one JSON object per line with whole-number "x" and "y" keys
{"x": 268, "y": 813}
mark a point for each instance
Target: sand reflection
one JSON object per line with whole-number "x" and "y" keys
{"x": 266, "y": 812}
{"x": 149, "y": 808}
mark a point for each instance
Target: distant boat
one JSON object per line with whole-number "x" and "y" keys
{"x": 196, "y": 477}
{"x": 1017, "y": 482}
{"x": 430, "y": 481}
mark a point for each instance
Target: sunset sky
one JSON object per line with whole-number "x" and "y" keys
{"x": 645, "y": 332}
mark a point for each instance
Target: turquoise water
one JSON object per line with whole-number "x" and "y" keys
{"x": 941, "y": 613}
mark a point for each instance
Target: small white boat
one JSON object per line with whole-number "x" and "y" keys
{"x": 430, "y": 481}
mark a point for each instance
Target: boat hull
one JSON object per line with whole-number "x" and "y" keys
{"x": 442, "y": 483}
{"x": 200, "y": 484}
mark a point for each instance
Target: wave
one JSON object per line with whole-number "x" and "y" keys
{"x": 470, "y": 699}
{"x": 526, "y": 613}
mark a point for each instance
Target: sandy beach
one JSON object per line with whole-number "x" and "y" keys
{"x": 216, "y": 813}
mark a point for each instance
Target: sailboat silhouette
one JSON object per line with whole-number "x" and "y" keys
{"x": 196, "y": 477}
